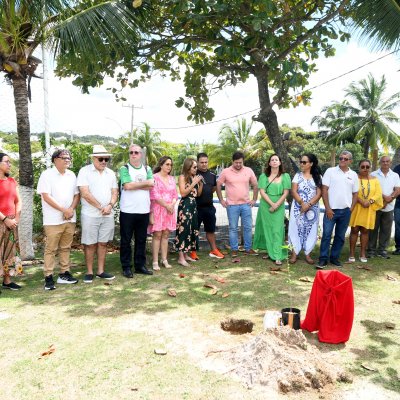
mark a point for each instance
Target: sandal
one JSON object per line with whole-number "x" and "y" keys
{"x": 183, "y": 263}
{"x": 293, "y": 259}
{"x": 156, "y": 266}
{"x": 265, "y": 257}
{"x": 309, "y": 260}
{"x": 363, "y": 259}
{"x": 278, "y": 262}
{"x": 352, "y": 259}
{"x": 166, "y": 264}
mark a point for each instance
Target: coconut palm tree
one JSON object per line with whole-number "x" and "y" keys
{"x": 365, "y": 117}
{"x": 77, "y": 33}
{"x": 151, "y": 141}
{"x": 378, "y": 22}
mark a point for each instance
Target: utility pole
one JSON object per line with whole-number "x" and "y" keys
{"x": 132, "y": 107}
{"x": 46, "y": 106}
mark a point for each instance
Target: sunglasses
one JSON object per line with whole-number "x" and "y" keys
{"x": 101, "y": 159}
{"x": 135, "y": 152}
{"x": 168, "y": 164}
{"x": 303, "y": 162}
{"x": 344, "y": 159}
{"x": 65, "y": 158}
{"x": 6, "y": 162}
{"x": 365, "y": 167}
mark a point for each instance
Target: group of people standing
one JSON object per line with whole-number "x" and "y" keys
{"x": 148, "y": 198}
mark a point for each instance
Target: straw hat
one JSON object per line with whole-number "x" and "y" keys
{"x": 100, "y": 151}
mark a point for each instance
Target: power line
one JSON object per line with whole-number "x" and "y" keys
{"x": 298, "y": 93}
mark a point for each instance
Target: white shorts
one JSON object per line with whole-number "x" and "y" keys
{"x": 97, "y": 229}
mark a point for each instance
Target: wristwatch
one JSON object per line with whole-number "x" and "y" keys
{"x": 372, "y": 201}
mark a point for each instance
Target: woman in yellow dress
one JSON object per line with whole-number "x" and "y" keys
{"x": 363, "y": 215}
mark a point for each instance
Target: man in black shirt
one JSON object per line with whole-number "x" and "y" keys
{"x": 205, "y": 207}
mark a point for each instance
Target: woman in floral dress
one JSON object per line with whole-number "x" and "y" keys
{"x": 163, "y": 198}
{"x": 304, "y": 214}
{"x": 10, "y": 210}
{"x": 187, "y": 230}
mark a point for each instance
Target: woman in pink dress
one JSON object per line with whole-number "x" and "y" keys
{"x": 163, "y": 197}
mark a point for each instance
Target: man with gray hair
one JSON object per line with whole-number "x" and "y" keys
{"x": 390, "y": 184}
{"x": 339, "y": 193}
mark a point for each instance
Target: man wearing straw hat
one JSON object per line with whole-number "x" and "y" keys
{"x": 136, "y": 183}
{"x": 99, "y": 193}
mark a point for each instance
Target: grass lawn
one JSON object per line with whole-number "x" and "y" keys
{"x": 105, "y": 335}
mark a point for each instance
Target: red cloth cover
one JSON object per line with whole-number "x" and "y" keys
{"x": 331, "y": 307}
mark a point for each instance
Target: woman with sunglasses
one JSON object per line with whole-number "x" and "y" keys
{"x": 304, "y": 214}
{"x": 363, "y": 216}
{"x": 10, "y": 210}
{"x": 187, "y": 230}
{"x": 274, "y": 185}
{"x": 163, "y": 197}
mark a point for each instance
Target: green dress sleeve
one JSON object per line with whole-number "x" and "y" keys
{"x": 262, "y": 181}
{"x": 287, "y": 183}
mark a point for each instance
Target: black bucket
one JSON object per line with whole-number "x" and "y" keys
{"x": 291, "y": 317}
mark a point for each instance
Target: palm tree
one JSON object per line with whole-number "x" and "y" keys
{"x": 378, "y": 22}
{"x": 77, "y": 34}
{"x": 365, "y": 119}
{"x": 151, "y": 141}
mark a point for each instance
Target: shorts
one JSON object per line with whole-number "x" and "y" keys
{"x": 206, "y": 215}
{"x": 97, "y": 229}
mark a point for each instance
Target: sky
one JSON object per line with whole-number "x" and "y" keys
{"x": 99, "y": 113}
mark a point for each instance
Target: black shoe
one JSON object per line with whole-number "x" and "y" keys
{"x": 336, "y": 262}
{"x": 384, "y": 255}
{"x": 143, "y": 271}
{"x": 66, "y": 278}
{"x": 127, "y": 273}
{"x": 11, "y": 286}
{"x": 321, "y": 265}
{"x": 396, "y": 252}
{"x": 105, "y": 275}
{"x": 49, "y": 283}
{"x": 88, "y": 278}
{"x": 371, "y": 255}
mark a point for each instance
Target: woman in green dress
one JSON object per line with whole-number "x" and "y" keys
{"x": 274, "y": 186}
{"x": 187, "y": 229}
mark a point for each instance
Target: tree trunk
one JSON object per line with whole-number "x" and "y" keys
{"x": 374, "y": 159}
{"x": 333, "y": 157}
{"x": 25, "y": 167}
{"x": 268, "y": 118}
{"x": 396, "y": 157}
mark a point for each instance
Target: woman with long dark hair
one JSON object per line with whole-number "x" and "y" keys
{"x": 304, "y": 214}
{"x": 163, "y": 197}
{"x": 363, "y": 216}
{"x": 274, "y": 185}
{"x": 10, "y": 210}
{"x": 187, "y": 230}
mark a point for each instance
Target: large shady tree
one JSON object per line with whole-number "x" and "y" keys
{"x": 78, "y": 34}
{"x": 215, "y": 43}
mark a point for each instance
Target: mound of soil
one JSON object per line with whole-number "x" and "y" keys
{"x": 282, "y": 359}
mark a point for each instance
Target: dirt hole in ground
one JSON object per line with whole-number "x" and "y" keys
{"x": 237, "y": 326}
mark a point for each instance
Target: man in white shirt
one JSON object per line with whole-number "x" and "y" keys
{"x": 99, "y": 192}
{"x": 390, "y": 184}
{"x": 60, "y": 197}
{"x": 339, "y": 193}
{"x": 136, "y": 183}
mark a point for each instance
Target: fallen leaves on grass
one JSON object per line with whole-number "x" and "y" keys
{"x": 274, "y": 272}
{"x": 214, "y": 291}
{"x": 219, "y": 279}
{"x": 364, "y": 267}
{"x": 107, "y": 283}
{"x": 275, "y": 269}
{"x": 368, "y": 367}
{"x": 49, "y": 351}
{"x": 134, "y": 389}
{"x": 305, "y": 279}
{"x": 213, "y": 287}
{"x": 396, "y": 301}
{"x": 182, "y": 275}
{"x": 390, "y": 325}
{"x": 225, "y": 295}
{"x": 391, "y": 278}
{"x": 172, "y": 292}
{"x": 236, "y": 260}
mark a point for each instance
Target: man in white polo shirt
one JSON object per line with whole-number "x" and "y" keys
{"x": 390, "y": 184}
{"x": 136, "y": 183}
{"x": 339, "y": 193}
{"x": 99, "y": 192}
{"x": 60, "y": 197}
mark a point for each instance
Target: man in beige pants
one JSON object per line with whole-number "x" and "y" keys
{"x": 60, "y": 197}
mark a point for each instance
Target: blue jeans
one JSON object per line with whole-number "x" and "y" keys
{"x": 244, "y": 212}
{"x": 397, "y": 227}
{"x": 340, "y": 222}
